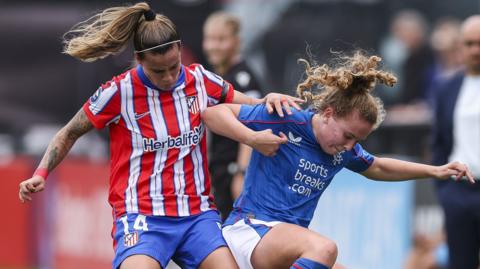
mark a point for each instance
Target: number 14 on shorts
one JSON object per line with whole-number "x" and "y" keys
{"x": 131, "y": 238}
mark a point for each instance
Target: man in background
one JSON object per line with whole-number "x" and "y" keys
{"x": 228, "y": 159}
{"x": 456, "y": 136}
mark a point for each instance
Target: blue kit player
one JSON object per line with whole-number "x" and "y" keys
{"x": 297, "y": 156}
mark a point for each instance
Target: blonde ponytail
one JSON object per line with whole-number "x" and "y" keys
{"x": 108, "y": 32}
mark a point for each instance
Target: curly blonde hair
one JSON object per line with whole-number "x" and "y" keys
{"x": 347, "y": 86}
{"x": 108, "y": 32}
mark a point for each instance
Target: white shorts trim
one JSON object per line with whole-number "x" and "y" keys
{"x": 242, "y": 239}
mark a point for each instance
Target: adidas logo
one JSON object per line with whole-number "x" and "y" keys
{"x": 294, "y": 140}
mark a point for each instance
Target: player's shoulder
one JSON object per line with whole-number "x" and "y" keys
{"x": 193, "y": 66}
{"x": 116, "y": 79}
{"x": 300, "y": 116}
{"x": 205, "y": 73}
{"x": 260, "y": 113}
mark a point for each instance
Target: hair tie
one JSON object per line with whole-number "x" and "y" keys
{"x": 150, "y": 15}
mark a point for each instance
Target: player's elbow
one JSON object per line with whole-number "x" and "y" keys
{"x": 207, "y": 115}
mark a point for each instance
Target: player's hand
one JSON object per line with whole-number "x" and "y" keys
{"x": 266, "y": 142}
{"x": 29, "y": 186}
{"x": 455, "y": 170}
{"x": 278, "y": 102}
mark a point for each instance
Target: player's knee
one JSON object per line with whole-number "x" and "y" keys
{"x": 324, "y": 249}
{"x": 330, "y": 249}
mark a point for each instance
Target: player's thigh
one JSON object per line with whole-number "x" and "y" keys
{"x": 203, "y": 245}
{"x": 146, "y": 236}
{"x": 283, "y": 244}
{"x": 221, "y": 258}
{"x": 140, "y": 261}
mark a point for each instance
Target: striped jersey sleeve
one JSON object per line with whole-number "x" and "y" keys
{"x": 218, "y": 90}
{"x": 103, "y": 107}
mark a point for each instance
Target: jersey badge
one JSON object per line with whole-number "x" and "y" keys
{"x": 130, "y": 239}
{"x": 193, "y": 105}
{"x": 337, "y": 158}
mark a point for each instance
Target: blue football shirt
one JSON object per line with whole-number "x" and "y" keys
{"x": 287, "y": 187}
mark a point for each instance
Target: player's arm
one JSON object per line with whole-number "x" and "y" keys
{"x": 273, "y": 101}
{"x": 58, "y": 148}
{"x": 222, "y": 119}
{"x": 387, "y": 169}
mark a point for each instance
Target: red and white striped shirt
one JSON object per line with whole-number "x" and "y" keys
{"x": 158, "y": 141}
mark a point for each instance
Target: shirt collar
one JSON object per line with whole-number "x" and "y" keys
{"x": 145, "y": 80}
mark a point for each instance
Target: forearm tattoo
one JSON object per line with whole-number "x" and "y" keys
{"x": 52, "y": 158}
{"x": 64, "y": 140}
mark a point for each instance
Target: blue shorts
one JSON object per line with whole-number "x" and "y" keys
{"x": 185, "y": 240}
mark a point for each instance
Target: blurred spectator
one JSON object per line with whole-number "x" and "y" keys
{"x": 411, "y": 28}
{"x": 445, "y": 41}
{"x": 407, "y": 52}
{"x": 456, "y": 135}
{"x": 221, "y": 44}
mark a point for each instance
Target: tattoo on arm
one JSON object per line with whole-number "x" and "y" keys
{"x": 63, "y": 141}
{"x": 78, "y": 126}
{"x": 52, "y": 157}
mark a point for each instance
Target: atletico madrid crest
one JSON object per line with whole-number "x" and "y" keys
{"x": 130, "y": 239}
{"x": 193, "y": 105}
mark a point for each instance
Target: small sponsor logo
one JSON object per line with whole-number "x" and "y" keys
{"x": 193, "y": 105}
{"x": 337, "y": 158}
{"x": 96, "y": 95}
{"x": 130, "y": 239}
{"x": 294, "y": 140}
{"x": 141, "y": 115}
